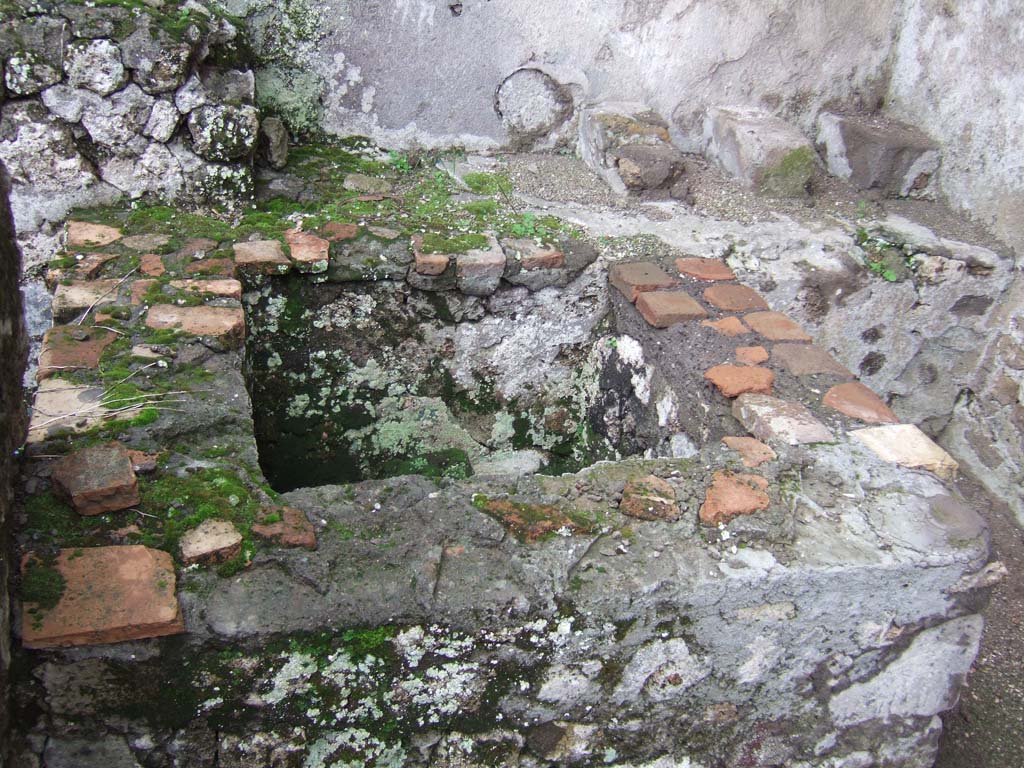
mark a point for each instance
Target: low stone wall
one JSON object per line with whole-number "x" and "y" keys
{"x": 122, "y": 100}
{"x": 12, "y": 423}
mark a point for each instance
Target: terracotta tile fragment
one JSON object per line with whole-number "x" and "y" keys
{"x": 72, "y": 347}
{"x": 261, "y": 256}
{"x": 857, "y": 401}
{"x": 649, "y": 498}
{"x": 309, "y": 252}
{"x": 704, "y": 269}
{"x": 663, "y": 309}
{"x": 753, "y": 452}
{"x": 728, "y": 326}
{"x": 210, "y": 542}
{"x": 97, "y": 479}
{"x": 152, "y": 265}
{"x": 751, "y": 355}
{"x": 732, "y": 297}
{"x": 637, "y": 277}
{"x": 731, "y": 495}
{"x": 111, "y": 594}
{"x": 734, "y": 380}
{"x": 83, "y": 234}
{"x": 292, "y": 530}
{"x": 775, "y": 326}
{"x": 223, "y": 322}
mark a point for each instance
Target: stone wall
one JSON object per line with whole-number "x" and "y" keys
{"x": 119, "y": 100}
{"x": 12, "y": 352}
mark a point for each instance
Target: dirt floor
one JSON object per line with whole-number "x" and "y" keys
{"x": 986, "y": 730}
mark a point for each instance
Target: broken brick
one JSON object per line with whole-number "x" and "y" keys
{"x": 710, "y": 270}
{"x": 775, "y": 326}
{"x": 649, "y": 498}
{"x": 97, "y": 479}
{"x": 732, "y": 297}
{"x": 731, "y": 495}
{"x": 857, "y": 401}
{"x": 734, "y": 380}
{"x": 639, "y": 277}
{"x": 753, "y": 452}
{"x": 293, "y": 529}
{"x": 728, "y": 326}
{"x": 666, "y": 308}
{"x": 72, "y": 347}
{"x": 751, "y": 355}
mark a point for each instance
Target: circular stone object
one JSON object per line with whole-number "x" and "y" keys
{"x": 531, "y": 104}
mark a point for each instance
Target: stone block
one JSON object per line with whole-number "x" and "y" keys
{"x": 663, "y": 309}
{"x": 649, "y": 498}
{"x": 222, "y": 132}
{"x": 261, "y": 256}
{"x": 70, "y": 348}
{"x": 309, "y": 252}
{"x": 111, "y": 594}
{"x": 775, "y": 326}
{"x": 908, "y": 446}
{"x": 878, "y": 153}
{"x": 226, "y": 323}
{"x": 773, "y": 419}
{"x": 645, "y": 168}
{"x": 731, "y": 495}
{"x": 273, "y": 142}
{"x": 637, "y": 277}
{"x": 97, "y": 479}
{"x": 807, "y": 360}
{"x": 479, "y": 272}
{"x": 293, "y": 529}
{"x": 733, "y": 297}
{"x": 210, "y": 542}
{"x": 761, "y": 151}
{"x": 857, "y": 401}
{"x": 96, "y": 65}
{"x": 710, "y": 270}
{"x": 70, "y": 301}
{"x": 371, "y": 185}
{"x": 734, "y": 380}
{"x": 630, "y": 147}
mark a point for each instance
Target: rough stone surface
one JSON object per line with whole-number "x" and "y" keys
{"x": 807, "y": 360}
{"x": 223, "y": 132}
{"x": 292, "y": 530}
{"x": 263, "y": 256}
{"x": 760, "y": 150}
{"x": 210, "y": 542}
{"x": 111, "y": 594}
{"x": 769, "y": 418}
{"x": 704, "y": 269}
{"x": 734, "y": 380}
{"x": 531, "y": 104}
{"x": 732, "y": 495}
{"x": 633, "y": 279}
{"x": 908, "y": 446}
{"x": 897, "y": 159}
{"x": 855, "y": 400}
{"x": 273, "y": 142}
{"x": 754, "y": 452}
{"x": 223, "y": 322}
{"x": 97, "y": 480}
{"x": 663, "y": 309}
{"x": 649, "y": 498}
{"x": 70, "y": 752}
{"x": 775, "y": 326}
{"x": 730, "y": 297}
{"x": 96, "y": 65}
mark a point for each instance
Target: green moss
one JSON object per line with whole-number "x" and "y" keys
{"x": 487, "y": 183}
{"x": 435, "y": 243}
{"x": 42, "y": 585}
{"x": 51, "y": 522}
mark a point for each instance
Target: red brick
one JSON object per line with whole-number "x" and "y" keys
{"x": 728, "y": 326}
{"x": 855, "y": 400}
{"x": 151, "y": 264}
{"x": 231, "y": 289}
{"x": 751, "y": 355}
{"x": 210, "y": 542}
{"x": 734, "y": 380}
{"x": 97, "y": 479}
{"x": 732, "y": 495}
{"x": 731, "y": 297}
{"x": 111, "y": 594}
{"x": 292, "y": 530}
{"x": 224, "y": 322}
{"x": 261, "y": 256}
{"x": 666, "y": 308}
{"x": 775, "y": 326}
{"x": 72, "y": 347}
{"x": 336, "y": 231}
{"x": 638, "y": 277}
{"x": 710, "y": 270}
{"x": 753, "y": 452}
{"x": 806, "y": 360}
{"x": 84, "y": 234}
{"x": 430, "y": 264}
{"x": 649, "y": 498}
{"x": 309, "y": 252}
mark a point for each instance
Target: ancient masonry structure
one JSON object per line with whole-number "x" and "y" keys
{"x": 358, "y": 458}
